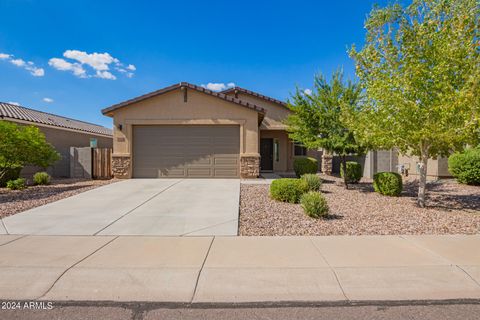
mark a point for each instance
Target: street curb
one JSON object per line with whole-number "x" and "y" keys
{"x": 150, "y": 305}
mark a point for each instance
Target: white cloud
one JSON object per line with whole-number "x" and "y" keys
{"x": 48, "y": 100}
{"x": 105, "y": 75}
{"x": 36, "y": 72}
{"x": 29, "y": 66}
{"x": 307, "y": 92}
{"x": 14, "y": 103}
{"x": 17, "y": 62}
{"x": 218, "y": 86}
{"x": 63, "y": 65}
{"x": 99, "y": 62}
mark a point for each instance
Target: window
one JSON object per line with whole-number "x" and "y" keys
{"x": 299, "y": 150}
{"x": 276, "y": 152}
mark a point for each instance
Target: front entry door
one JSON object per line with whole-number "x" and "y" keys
{"x": 266, "y": 154}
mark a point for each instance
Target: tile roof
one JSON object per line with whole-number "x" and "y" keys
{"x": 189, "y": 86}
{"x": 10, "y": 111}
{"x": 255, "y": 94}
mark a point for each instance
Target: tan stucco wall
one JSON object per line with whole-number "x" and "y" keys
{"x": 62, "y": 140}
{"x": 436, "y": 168}
{"x": 170, "y": 108}
{"x": 275, "y": 113}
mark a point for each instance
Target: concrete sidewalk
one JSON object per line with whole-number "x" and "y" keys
{"x": 239, "y": 269}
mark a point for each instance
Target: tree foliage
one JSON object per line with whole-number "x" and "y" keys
{"x": 24, "y": 145}
{"x": 318, "y": 120}
{"x": 420, "y": 67}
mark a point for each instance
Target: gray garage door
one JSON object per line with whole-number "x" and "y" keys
{"x": 186, "y": 151}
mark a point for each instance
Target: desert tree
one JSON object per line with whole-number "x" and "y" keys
{"x": 420, "y": 68}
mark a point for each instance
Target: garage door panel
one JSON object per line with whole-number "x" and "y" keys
{"x": 198, "y": 172}
{"x": 226, "y": 173}
{"x": 186, "y": 151}
{"x": 171, "y": 172}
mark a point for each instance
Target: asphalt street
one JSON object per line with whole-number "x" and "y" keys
{"x": 136, "y": 311}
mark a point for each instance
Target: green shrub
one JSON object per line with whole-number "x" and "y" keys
{"x": 354, "y": 171}
{"x": 41, "y": 178}
{"x": 10, "y": 174}
{"x": 17, "y": 184}
{"x": 313, "y": 181}
{"x": 388, "y": 183}
{"x": 303, "y": 165}
{"x": 465, "y": 166}
{"x": 288, "y": 190}
{"x": 314, "y": 204}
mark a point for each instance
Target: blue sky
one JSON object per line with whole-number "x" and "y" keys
{"x": 265, "y": 46}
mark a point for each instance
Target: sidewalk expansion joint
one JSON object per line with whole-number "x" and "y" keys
{"x": 468, "y": 275}
{"x": 331, "y": 268}
{"x": 75, "y": 264}
{"x": 4, "y": 226}
{"x": 141, "y": 204}
{"x": 201, "y": 269}
{"x": 3, "y": 244}
{"x": 215, "y": 225}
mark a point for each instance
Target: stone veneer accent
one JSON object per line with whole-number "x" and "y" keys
{"x": 249, "y": 166}
{"x": 327, "y": 163}
{"x": 121, "y": 166}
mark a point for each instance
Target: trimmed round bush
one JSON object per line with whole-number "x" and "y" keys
{"x": 303, "y": 165}
{"x": 288, "y": 190}
{"x": 354, "y": 171}
{"x": 11, "y": 174}
{"x": 388, "y": 183}
{"x": 41, "y": 178}
{"x": 17, "y": 184}
{"x": 465, "y": 166}
{"x": 314, "y": 204}
{"x": 313, "y": 181}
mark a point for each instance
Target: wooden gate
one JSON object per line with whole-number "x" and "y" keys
{"x": 102, "y": 163}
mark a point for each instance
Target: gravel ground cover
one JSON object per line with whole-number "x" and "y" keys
{"x": 452, "y": 209}
{"x": 14, "y": 201}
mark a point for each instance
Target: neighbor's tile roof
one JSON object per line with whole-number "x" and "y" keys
{"x": 188, "y": 86}
{"x": 10, "y": 111}
{"x": 255, "y": 94}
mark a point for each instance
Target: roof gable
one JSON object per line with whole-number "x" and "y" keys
{"x": 255, "y": 94}
{"x": 13, "y": 112}
{"x": 108, "y": 111}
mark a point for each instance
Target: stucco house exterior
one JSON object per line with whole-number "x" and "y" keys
{"x": 61, "y": 132}
{"x": 186, "y": 130}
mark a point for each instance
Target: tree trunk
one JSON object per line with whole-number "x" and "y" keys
{"x": 344, "y": 164}
{"x": 422, "y": 185}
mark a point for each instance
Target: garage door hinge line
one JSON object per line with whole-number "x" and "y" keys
{"x": 146, "y": 201}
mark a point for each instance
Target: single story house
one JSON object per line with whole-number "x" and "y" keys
{"x": 61, "y": 132}
{"x": 186, "y": 130}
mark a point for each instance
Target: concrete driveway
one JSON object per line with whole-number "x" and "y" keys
{"x": 172, "y": 207}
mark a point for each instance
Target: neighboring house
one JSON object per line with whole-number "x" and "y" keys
{"x": 187, "y": 131}
{"x": 60, "y": 132}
